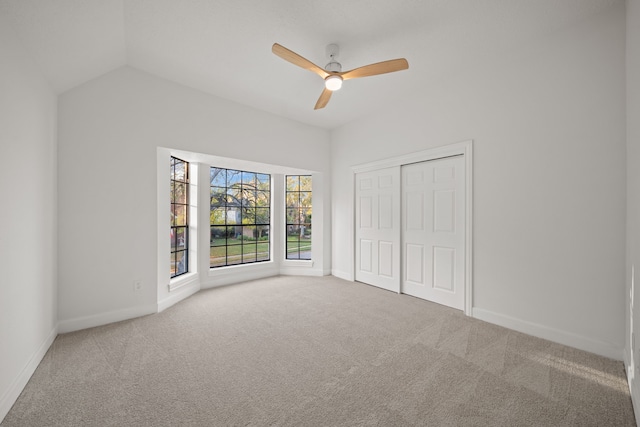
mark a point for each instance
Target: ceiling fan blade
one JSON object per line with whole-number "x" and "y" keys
{"x": 377, "y": 68}
{"x": 294, "y": 58}
{"x": 325, "y": 96}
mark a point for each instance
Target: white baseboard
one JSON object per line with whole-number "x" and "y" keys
{"x": 342, "y": 275}
{"x": 70, "y": 325}
{"x": 11, "y": 395}
{"x": 634, "y": 387}
{"x": 179, "y": 294}
{"x": 556, "y": 335}
{"x": 634, "y": 401}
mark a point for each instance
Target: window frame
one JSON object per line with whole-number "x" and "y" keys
{"x": 296, "y": 211}
{"x": 248, "y": 230}
{"x": 174, "y": 227}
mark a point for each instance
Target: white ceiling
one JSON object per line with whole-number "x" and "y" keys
{"x": 223, "y": 47}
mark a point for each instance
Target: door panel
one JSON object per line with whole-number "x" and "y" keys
{"x": 385, "y": 258}
{"x": 365, "y": 256}
{"x": 414, "y": 264}
{"x": 433, "y": 230}
{"x": 378, "y": 228}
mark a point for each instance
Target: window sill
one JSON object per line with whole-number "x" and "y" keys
{"x": 183, "y": 280}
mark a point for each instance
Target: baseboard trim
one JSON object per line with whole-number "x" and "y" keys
{"x": 633, "y": 386}
{"x": 78, "y": 323}
{"x": 342, "y": 275}
{"x": 561, "y": 337}
{"x": 21, "y": 380}
{"x": 179, "y": 294}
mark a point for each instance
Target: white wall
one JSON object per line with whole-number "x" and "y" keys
{"x": 549, "y": 173}
{"x": 28, "y": 297}
{"x": 109, "y": 133}
{"x": 633, "y": 195}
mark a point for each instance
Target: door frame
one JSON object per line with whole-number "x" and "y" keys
{"x": 464, "y": 148}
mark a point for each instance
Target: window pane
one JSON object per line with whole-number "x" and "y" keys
{"x": 217, "y": 216}
{"x": 292, "y": 250}
{"x": 305, "y": 215}
{"x": 234, "y": 235}
{"x": 218, "y": 196}
{"x": 292, "y": 232}
{"x": 234, "y": 255}
{"x": 233, "y": 177}
{"x": 180, "y": 212}
{"x": 249, "y": 179}
{"x": 234, "y": 194}
{"x": 293, "y": 200}
{"x": 305, "y": 248}
{"x": 181, "y": 262}
{"x": 172, "y": 240}
{"x": 263, "y": 198}
{"x": 248, "y": 197}
{"x": 218, "y": 256}
{"x": 305, "y": 183}
{"x": 292, "y": 183}
{"x": 181, "y": 238}
{"x": 218, "y": 177}
{"x": 179, "y": 174}
{"x": 172, "y": 264}
{"x": 263, "y": 181}
{"x": 249, "y": 232}
{"x": 305, "y": 199}
{"x": 249, "y": 252}
{"x": 263, "y": 232}
{"x": 233, "y": 215}
{"x": 218, "y": 236}
{"x": 180, "y": 193}
{"x": 263, "y": 251}
{"x": 292, "y": 216}
{"x": 262, "y": 215}
{"x": 249, "y": 216}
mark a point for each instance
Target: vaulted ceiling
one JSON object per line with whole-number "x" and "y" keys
{"x": 223, "y": 47}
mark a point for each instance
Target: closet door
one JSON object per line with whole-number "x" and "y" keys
{"x": 378, "y": 228}
{"x": 433, "y": 230}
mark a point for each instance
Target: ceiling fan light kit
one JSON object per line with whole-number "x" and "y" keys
{"x": 332, "y": 73}
{"x": 333, "y": 82}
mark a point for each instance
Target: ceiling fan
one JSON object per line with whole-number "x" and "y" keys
{"x": 332, "y": 73}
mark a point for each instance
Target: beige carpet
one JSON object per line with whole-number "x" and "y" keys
{"x": 297, "y": 351}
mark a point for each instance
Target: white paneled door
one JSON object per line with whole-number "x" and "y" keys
{"x": 378, "y": 228}
{"x": 433, "y": 230}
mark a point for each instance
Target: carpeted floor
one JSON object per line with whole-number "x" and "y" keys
{"x": 319, "y": 351}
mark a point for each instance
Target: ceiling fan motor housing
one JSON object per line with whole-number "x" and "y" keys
{"x": 333, "y": 66}
{"x": 332, "y": 52}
